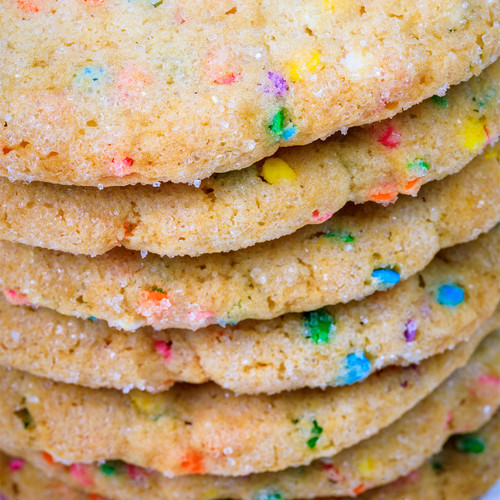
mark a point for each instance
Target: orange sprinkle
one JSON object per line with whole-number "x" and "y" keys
{"x": 410, "y": 184}
{"x": 94, "y": 496}
{"x": 359, "y": 489}
{"x": 48, "y": 458}
{"x": 129, "y": 229}
{"x": 31, "y": 6}
{"x": 192, "y": 462}
{"x": 384, "y": 197}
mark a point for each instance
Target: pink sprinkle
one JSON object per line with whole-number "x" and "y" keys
{"x": 136, "y": 472}
{"x": 121, "y": 168}
{"x": 15, "y": 298}
{"x": 16, "y": 464}
{"x": 333, "y": 474}
{"x": 489, "y": 380}
{"x": 131, "y": 83}
{"x": 163, "y": 349}
{"x": 448, "y": 420}
{"x": 390, "y": 138}
{"x": 410, "y": 330}
{"x": 80, "y": 475}
{"x": 321, "y": 218}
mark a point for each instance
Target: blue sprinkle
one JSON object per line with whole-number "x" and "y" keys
{"x": 289, "y": 132}
{"x": 357, "y": 367}
{"x": 386, "y": 277}
{"x": 450, "y": 295}
{"x": 90, "y": 79}
{"x": 92, "y": 318}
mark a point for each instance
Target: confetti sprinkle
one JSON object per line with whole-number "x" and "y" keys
{"x": 25, "y": 417}
{"x": 16, "y": 298}
{"x": 305, "y": 63}
{"x": 110, "y": 467}
{"x": 164, "y": 349}
{"x": 121, "y": 168}
{"x": 440, "y": 101}
{"x": 385, "y": 277}
{"x": 366, "y": 467}
{"x": 81, "y": 475}
{"x": 48, "y": 458}
{"x": 410, "y": 330}
{"x": 343, "y": 236}
{"x": 390, "y": 138}
{"x": 268, "y": 494}
{"x": 90, "y": 79}
{"x": 277, "y": 171}
{"x": 356, "y": 367}
{"x": 418, "y": 167}
{"x": 280, "y": 87}
{"x": 319, "y": 326}
{"x": 30, "y": 6}
{"x": 154, "y": 305}
{"x": 152, "y": 405}
{"x": 484, "y": 99}
{"x": 16, "y": 464}
{"x": 450, "y": 295}
{"x": 316, "y": 432}
{"x": 318, "y": 218}
{"x": 192, "y": 462}
{"x": 470, "y": 443}
{"x": 474, "y": 134}
{"x": 280, "y": 125}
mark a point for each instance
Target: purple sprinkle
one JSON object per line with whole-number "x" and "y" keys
{"x": 410, "y": 330}
{"x": 280, "y": 85}
{"x": 2, "y": 497}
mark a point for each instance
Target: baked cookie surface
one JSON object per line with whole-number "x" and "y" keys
{"x": 116, "y": 92}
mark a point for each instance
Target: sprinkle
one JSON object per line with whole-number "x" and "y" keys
{"x": 450, "y": 295}
{"x": 16, "y": 298}
{"x": 386, "y": 193}
{"x": 357, "y": 367}
{"x": 164, "y": 349}
{"x": 154, "y": 305}
{"x": 489, "y": 380}
{"x": 469, "y": 443}
{"x": 319, "y": 326}
{"x": 93, "y": 318}
{"x": 277, "y": 171}
{"x": 343, "y": 236}
{"x": 440, "y": 101}
{"x": 409, "y": 185}
{"x": 131, "y": 83}
{"x": 279, "y": 84}
{"x": 268, "y": 494}
{"x": 474, "y": 134}
{"x": 25, "y": 417}
{"x": 221, "y": 68}
{"x": 437, "y": 464}
{"x": 95, "y": 496}
{"x": 359, "y": 489}
{"x": 484, "y": 99}
{"x": 319, "y": 218}
{"x": 390, "y": 138}
{"x": 121, "y": 168}
{"x": 16, "y": 464}
{"x": 31, "y": 6}
{"x": 307, "y": 63}
{"x": 110, "y": 467}
{"x": 366, "y": 467}
{"x": 192, "y": 462}
{"x": 418, "y": 167}
{"x": 90, "y": 79}
{"x": 316, "y": 432}
{"x": 280, "y": 127}
{"x": 410, "y": 330}
{"x": 136, "y": 472}
{"x": 385, "y": 277}
{"x": 48, "y": 458}
{"x": 152, "y": 405}
{"x": 80, "y": 475}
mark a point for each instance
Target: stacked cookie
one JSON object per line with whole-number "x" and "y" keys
{"x": 191, "y": 312}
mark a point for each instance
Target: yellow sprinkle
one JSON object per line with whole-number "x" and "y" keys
{"x": 153, "y": 405}
{"x": 490, "y": 153}
{"x": 306, "y": 63}
{"x": 366, "y": 467}
{"x": 473, "y": 134}
{"x": 277, "y": 171}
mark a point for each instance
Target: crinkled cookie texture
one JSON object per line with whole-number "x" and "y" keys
{"x": 118, "y": 92}
{"x": 302, "y": 185}
{"x": 359, "y": 251}
{"x": 206, "y": 430}
{"x": 461, "y": 404}
{"x": 400, "y": 326}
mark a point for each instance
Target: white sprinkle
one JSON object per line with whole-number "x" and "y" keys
{"x": 344, "y": 130}
{"x": 144, "y": 253}
{"x": 215, "y": 99}
{"x": 228, "y": 451}
{"x": 7, "y": 118}
{"x": 258, "y": 55}
{"x": 15, "y": 336}
{"x": 100, "y": 187}
{"x": 156, "y": 184}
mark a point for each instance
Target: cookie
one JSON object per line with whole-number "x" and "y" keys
{"x": 399, "y": 326}
{"x": 266, "y": 201}
{"x": 461, "y": 404}
{"x": 121, "y": 92}
{"x": 210, "y": 430}
{"x": 359, "y": 251}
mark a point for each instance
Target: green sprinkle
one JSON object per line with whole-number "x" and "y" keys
{"x": 277, "y": 123}
{"x": 437, "y": 464}
{"x": 110, "y": 467}
{"x": 343, "y": 236}
{"x": 419, "y": 166}
{"x": 25, "y": 417}
{"x": 440, "y": 101}
{"x": 157, "y": 4}
{"x": 268, "y": 494}
{"x": 319, "y": 326}
{"x": 470, "y": 443}
{"x": 158, "y": 289}
{"x": 316, "y": 432}
{"x": 484, "y": 99}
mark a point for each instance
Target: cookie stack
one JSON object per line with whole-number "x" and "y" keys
{"x": 189, "y": 311}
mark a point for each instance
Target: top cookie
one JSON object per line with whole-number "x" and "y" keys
{"x": 117, "y": 92}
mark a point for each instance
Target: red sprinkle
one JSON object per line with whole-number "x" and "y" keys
{"x": 390, "y": 138}
{"x": 80, "y": 475}
{"x": 192, "y": 462}
{"x": 359, "y": 489}
{"x": 321, "y": 218}
{"x": 163, "y": 349}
